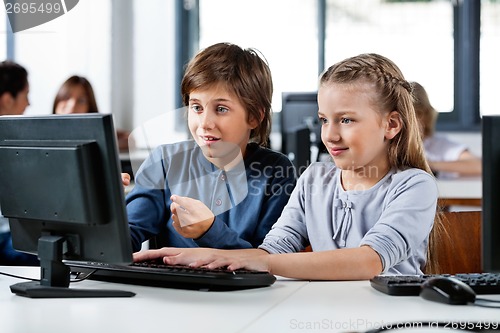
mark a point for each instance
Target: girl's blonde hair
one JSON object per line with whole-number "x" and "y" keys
{"x": 393, "y": 93}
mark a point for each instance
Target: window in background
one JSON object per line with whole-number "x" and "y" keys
{"x": 434, "y": 42}
{"x": 78, "y": 42}
{"x": 3, "y": 35}
{"x": 154, "y": 84}
{"x": 285, "y": 31}
{"x": 489, "y": 55}
{"x": 125, "y": 50}
{"x": 416, "y": 35}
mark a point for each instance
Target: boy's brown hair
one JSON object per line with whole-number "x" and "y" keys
{"x": 244, "y": 73}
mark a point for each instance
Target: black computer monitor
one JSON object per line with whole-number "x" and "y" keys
{"x": 300, "y": 111}
{"x": 62, "y": 192}
{"x": 298, "y": 147}
{"x": 491, "y": 193}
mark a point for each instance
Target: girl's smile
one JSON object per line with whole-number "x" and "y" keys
{"x": 337, "y": 151}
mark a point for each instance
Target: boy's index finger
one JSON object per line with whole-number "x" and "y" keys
{"x": 179, "y": 201}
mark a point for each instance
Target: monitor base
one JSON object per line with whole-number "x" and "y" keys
{"x": 34, "y": 289}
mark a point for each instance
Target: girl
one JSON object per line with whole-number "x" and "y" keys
{"x": 224, "y": 189}
{"x": 76, "y": 95}
{"x": 369, "y": 212}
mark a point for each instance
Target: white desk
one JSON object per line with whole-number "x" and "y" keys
{"x": 460, "y": 192}
{"x": 287, "y": 306}
{"x": 460, "y": 188}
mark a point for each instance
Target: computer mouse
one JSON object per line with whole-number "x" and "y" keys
{"x": 447, "y": 290}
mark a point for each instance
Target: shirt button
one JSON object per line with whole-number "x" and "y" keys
{"x": 223, "y": 177}
{"x": 218, "y": 202}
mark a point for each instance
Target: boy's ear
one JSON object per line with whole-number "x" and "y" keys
{"x": 254, "y": 122}
{"x": 6, "y": 101}
{"x": 393, "y": 125}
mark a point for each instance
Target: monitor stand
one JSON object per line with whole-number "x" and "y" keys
{"x": 55, "y": 276}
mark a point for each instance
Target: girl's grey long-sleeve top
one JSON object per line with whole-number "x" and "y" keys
{"x": 394, "y": 217}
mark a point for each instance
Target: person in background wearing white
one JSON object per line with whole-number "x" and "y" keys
{"x": 447, "y": 158}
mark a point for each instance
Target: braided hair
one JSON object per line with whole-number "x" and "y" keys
{"x": 394, "y": 94}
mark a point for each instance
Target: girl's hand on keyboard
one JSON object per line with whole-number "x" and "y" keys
{"x": 254, "y": 262}
{"x": 177, "y": 256}
{"x": 249, "y": 259}
{"x": 255, "y": 259}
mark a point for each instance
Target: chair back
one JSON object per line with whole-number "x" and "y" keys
{"x": 460, "y": 248}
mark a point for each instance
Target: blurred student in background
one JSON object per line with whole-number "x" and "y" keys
{"x": 14, "y": 89}
{"x": 446, "y": 158}
{"x": 77, "y": 96}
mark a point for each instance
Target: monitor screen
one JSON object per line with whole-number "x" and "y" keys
{"x": 491, "y": 193}
{"x": 62, "y": 193}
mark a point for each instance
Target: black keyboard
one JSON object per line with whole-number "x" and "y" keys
{"x": 409, "y": 285}
{"x": 160, "y": 275}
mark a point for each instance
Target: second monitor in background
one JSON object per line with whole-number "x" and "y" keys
{"x": 300, "y": 128}
{"x": 298, "y": 146}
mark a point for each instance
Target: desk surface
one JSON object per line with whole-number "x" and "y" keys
{"x": 460, "y": 188}
{"x": 460, "y": 193}
{"x": 287, "y": 306}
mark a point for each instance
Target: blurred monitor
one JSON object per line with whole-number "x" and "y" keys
{"x": 299, "y": 147}
{"x": 300, "y": 110}
{"x": 491, "y": 193}
{"x": 62, "y": 193}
